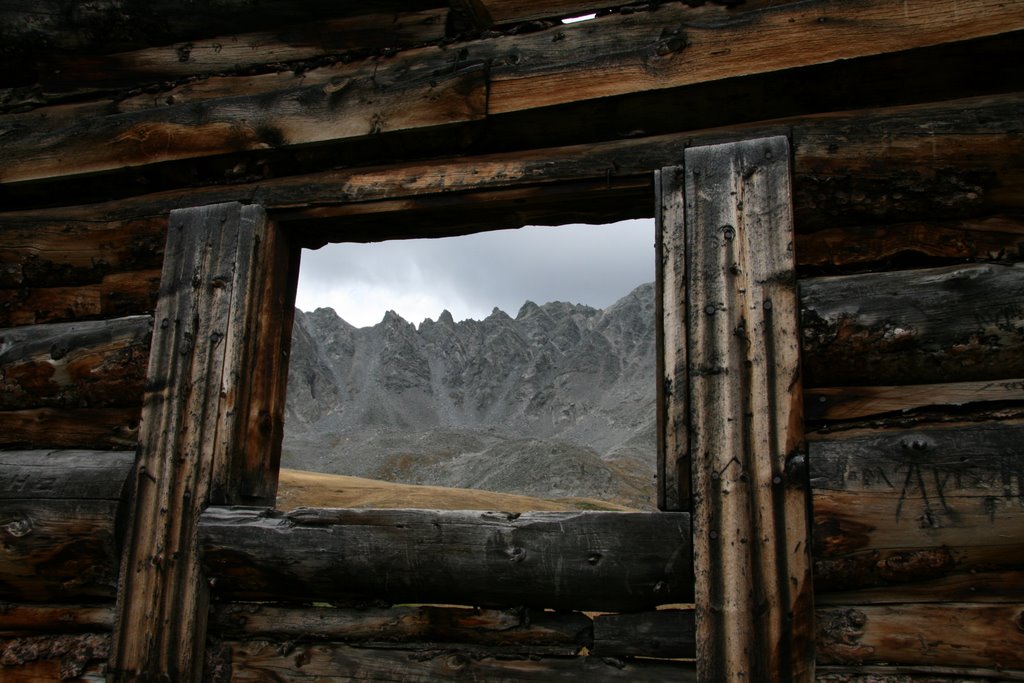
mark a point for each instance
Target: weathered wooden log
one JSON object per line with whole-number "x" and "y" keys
{"x": 597, "y": 560}
{"x": 54, "y": 658}
{"x": 959, "y": 323}
{"x": 58, "y": 519}
{"x": 954, "y": 634}
{"x": 521, "y": 631}
{"x": 970, "y": 586}
{"x": 102, "y": 428}
{"x": 846, "y": 403}
{"x": 212, "y": 423}
{"x": 262, "y": 661}
{"x": 75, "y": 365}
{"x": 917, "y": 505}
{"x": 117, "y": 295}
{"x": 666, "y": 634}
{"x": 23, "y": 619}
{"x": 913, "y": 674}
{"x": 625, "y": 54}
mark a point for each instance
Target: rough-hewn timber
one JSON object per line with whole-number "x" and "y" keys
{"x": 58, "y": 522}
{"x": 666, "y": 634}
{"x": 845, "y": 403}
{"x": 27, "y": 619}
{"x": 594, "y": 560}
{"x": 750, "y": 495}
{"x": 917, "y": 505}
{"x": 204, "y": 436}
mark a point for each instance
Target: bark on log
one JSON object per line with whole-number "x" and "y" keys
{"x": 600, "y": 561}
{"x": 564, "y": 64}
{"x": 521, "y": 631}
{"x": 75, "y": 365}
{"x": 905, "y": 506}
{"x": 262, "y": 661}
{"x": 957, "y": 634}
{"x": 54, "y": 658}
{"x": 58, "y": 519}
{"x": 959, "y": 323}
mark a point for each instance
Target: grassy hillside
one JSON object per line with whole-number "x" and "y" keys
{"x": 312, "y": 489}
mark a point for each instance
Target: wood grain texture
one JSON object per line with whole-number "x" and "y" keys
{"x": 103, "y": 428}
{"x": 216, "y": 279}
{"x": 673, "y": 385}
{"x": 74, "y": 365}
{"x": 917, "y": 505}
{"x": 954, "y": 634}
{"x": 58, "y": 520}
{"x": 25, "y": 619}
{"x": 958, "y": 323}
{"x": 846, "y": 403}
{"x": 263, "y": 662}
{"x": 665, "y": 634}
{"x": 751, "y": 506}
{"x": 41, "y": 659}
{"x": 517, "y": 631}
{"x": 593, "y": 560}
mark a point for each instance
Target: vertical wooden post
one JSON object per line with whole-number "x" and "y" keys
{"x": 750, "y": 486}
{"x": 210, "y": 425}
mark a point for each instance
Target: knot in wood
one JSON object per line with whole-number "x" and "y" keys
{"x": 18, "y": 527}
{"x": 516, "y": 554}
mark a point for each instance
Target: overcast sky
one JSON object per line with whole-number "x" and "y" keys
{"x": 470, "y": 275}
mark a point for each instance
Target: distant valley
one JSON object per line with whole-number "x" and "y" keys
{"x": 557, "y": 402}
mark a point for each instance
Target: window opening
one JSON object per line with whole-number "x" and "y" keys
{"x": 512, "y": 362}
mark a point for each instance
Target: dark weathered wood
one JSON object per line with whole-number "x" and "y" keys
{"x": 54, "y": 657}
{"x": 916, "y": 505}
{"x": 985, "y": 239}
{"x": 522, "y": 630}
{"x": 667, "y": 634}
{"x": 117, "y": 295}
{"x": 21, "y": 619}
{"x": 617, "y": 55}
{"x": 104, "y": 428}
{"x": 970, "y": 586}
{"x": 954, "y": 634}
{"x": 262, "y": 661}
{"x": 846, "y": 403}
{"x": 594, "y": 560}
{"x": 239, "y": 52}
{"x": 958, "y": 323}
{"x": 218, "y": 276}
{"x": 672, "y": 389}
{"x": 751, "y": 507}
{"x": 74, "y": 365}
{"x": 58, "y": 520}
{"x": 913, "y": 674}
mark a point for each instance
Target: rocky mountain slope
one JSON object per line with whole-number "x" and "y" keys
{"x": 556, "y": 402}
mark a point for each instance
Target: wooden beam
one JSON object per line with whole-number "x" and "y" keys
{"x": 958, "y": 323}
{"x": 54, "y": 657}
{"x": 665, "y": 634}
{"x": 892, "y": 507}
{"x": 517, "y": 631}
{"x": 57, "y": 521}
{"x": 25, "y": 619}
{"x": 263, "y": 662}
{"x": 954, "y": 634}
{"x": 751, "y": 502}
{"x": 428, "y": 88}
{"x": 221, "y": 273}
{"x": 104, "y": 428}
{"x": 562, "y": 560}
{"x": 847, "y": 403}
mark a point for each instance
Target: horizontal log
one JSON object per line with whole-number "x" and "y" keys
{"x": 103, "y": 428}
{"x": 54, "y": 657}
{"x": 594, "y": 561}
{"x": 912, "y": 674}
{"x": 620, "y": 54}
{"x": 666, "y": 634}
{"x": 75, "y": 365}
{"x": 262, "y": 661}
{"x": 971, "y": 586}
{"x": 241, "y": 51}
{"x": 955, "y": 634}
{"x": 58, "y": 519}
{"x": 847, "y": 403}
{"x": 117, "y": 295}
{"x": 22, "y": 619}
{"x": 520, "y": 631}
{"x": 958, "y": 323}
{"x": 916, "y": 505}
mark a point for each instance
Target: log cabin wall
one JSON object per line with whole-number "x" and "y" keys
{"x": 388, "y": 119}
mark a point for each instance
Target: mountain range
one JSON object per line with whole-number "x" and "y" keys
{"x": 557, "y": 402}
